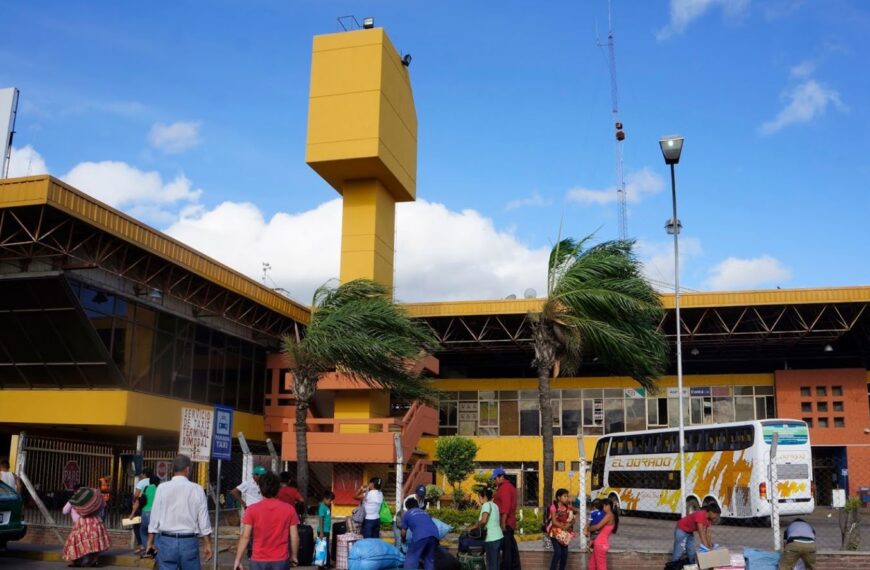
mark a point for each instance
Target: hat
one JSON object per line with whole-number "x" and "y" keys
{"x": 259, "y": 470}
{"x": 86, "y": 501}
{"x": 497, "y": 472}
{"x": 421, "y": 491}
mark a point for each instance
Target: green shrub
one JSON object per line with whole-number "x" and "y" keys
{"x": 434, "y": 493}
{"x": 527, "y": 521}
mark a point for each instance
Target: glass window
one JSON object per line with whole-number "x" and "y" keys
{"x": 744, "y": 391}
{"x": 529, "y": 395}
{"x": 509, "y": 418}
{"x": 839, "y": 422}
{"x": 723, "y": 410}
{"x": 200, "y": 375}
{"x": 571, "y": 394}
{"x": 593, "y": 393}
{"x": 530, "y": 418}
{"x": 593, "y": 412}
{"x": 259, "y": 383}
{"x": 764, "y": 407}
{"x": 614, "y": 393}
{"x": 508, "y": 395}
{"x": 571, "y": 415}
{"x": 560, "y": 466}
{"x": 635, "y": 414}
{"x": 488, "y": 418}
{"x": 838, "y": 406}
{"x": 821, "y": 391}
{"x": 744, "y": 408}
{"x": 448, "y": 422}
{"x": 806, "y": 407}
{"x": 836, "y": 390}
{"x": 614, "y": 416}
{"x": 486, "y": 395}
{"x": 657, "y": 412}
{"x": 821, "y": 406}
{"x": 721, "y": 391}
{"x": 805, "y": 392}
{"x": 674, "y": 411}
{"x": 809, "y": 422}
{"x": 245, "y": 384}
{"x": 823, "y": 422}
{"x": 764, "y": 390}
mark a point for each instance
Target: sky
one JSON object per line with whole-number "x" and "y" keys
{"x": 191, "y": 116}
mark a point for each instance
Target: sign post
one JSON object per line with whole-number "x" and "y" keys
{"x": 222, "y": 446}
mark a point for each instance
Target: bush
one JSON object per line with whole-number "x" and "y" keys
{"x": 455, "y": 456}
{"x": 434, "y": 493}
{"x": 527, "y": 521}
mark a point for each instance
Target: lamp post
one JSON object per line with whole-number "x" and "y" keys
{"x": 672, "y": 146}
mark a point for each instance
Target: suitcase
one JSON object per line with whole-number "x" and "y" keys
{"x": 338, "y": 528}
{"x": 468, "y": 544}
{"x": 306, "y": 545}
{"x": 342, "y": 551}
{"x": 471, "y": 561}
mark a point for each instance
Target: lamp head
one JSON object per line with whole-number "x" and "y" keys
{"x": 368, "y": 23}
{"x": 672, "y": 146}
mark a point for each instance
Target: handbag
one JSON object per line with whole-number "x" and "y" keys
{"x": 478, "y": 533}
{"x": 358, "y": 516}
{"x": 562, "y": 536}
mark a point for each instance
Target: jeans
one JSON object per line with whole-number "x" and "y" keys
{"x": 560, "y": 555}
{"x": 178, "y": 553}
{"x": 510, "y": 554}
{"x": 371, "y": 528}
{"x": 794, "y": 551}
{"x": 684, "y": 543}
{"x": 143, "y": 528}
{"x": 491, "y": 549}
{"x": 422, "y": 550}
{"x": 273, "y": 565}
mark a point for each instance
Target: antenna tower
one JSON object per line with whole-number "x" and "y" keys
{"x": 621, "y": 203}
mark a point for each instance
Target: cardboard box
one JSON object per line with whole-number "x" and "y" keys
{"x": 714, "y": 558}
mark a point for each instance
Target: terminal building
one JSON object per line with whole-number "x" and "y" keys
{"x": 110, "y": 328}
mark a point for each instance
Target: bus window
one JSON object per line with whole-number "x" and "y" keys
{"x": 670, "y": 442}
{"x": 601, "y": 449}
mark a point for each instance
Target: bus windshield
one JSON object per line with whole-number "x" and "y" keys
{"x": 790, "y": 432}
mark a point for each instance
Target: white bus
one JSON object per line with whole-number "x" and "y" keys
{"x": 726, "y": 464}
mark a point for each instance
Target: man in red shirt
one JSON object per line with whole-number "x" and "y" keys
{"x": 290, "y": 494}
{"x": 506, "y": 500}
{"x": 272, "y": 522}
{"x": 684, "y": 535}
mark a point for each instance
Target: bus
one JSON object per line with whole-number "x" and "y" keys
{"x": 726, "y": 464}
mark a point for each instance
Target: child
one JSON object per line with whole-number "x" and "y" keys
{"x": 324, "y": 515}
{"x": 595, "y": 516}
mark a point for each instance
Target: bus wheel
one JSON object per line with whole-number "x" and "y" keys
{"x": 692, "y": 505}
{"x": 710, "y": 501}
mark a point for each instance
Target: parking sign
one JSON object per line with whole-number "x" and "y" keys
{"x": 222, "y": 442}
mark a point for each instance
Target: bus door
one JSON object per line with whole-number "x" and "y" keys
{"x": 598, "y": 462}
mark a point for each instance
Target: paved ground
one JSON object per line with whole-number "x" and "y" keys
{"x": 657, "y": 535}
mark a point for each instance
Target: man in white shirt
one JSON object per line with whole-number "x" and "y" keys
{"x": 179, "y": 517}
{"x": 248, "y": 492}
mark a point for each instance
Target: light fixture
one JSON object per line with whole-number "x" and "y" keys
{"x": 829, "y": 348}
{"x": 672, "y": 146}
{"x": 406, "y": 61}
{"x": 669, "y": 226}
{"x": 99, "y": 298}
{"x": 151, "y": 292}
{"x": 695, "y": 351}
{"x": 155, "y": 294}
{"x": 368, "y": 23}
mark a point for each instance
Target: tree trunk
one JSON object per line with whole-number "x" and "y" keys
{"x": 302, "y": 447}
{"x": 546, "y": 432}
{"x": 545, "y": 358}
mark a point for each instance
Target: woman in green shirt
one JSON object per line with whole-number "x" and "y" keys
{"x": 490, "y": 520}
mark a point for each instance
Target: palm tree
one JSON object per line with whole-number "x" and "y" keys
{"x": 597, "y": 302}
{"x": 355, "y": 329}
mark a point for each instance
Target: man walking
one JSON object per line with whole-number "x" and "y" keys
{"x": 179, "y": 517}
{"x": 800, "y": 544}
{"x": 506, "y": 500}
{"x": 424, "y": 540}
{"x": 274, "y": 521}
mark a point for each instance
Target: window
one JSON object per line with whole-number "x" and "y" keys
{"x": 805, "y": 392}
{"x": 838, "y": 406}
{"x": 575, "y": 466}
{"x": 509, "y": 417}
{"x": 614, "y": 416}
{"x": 635, "y": 414}
{"x": 530, "y": 418}
{"x": 809, "y": 422}
{"x": 764, "y": 407}
{"x": 571, "y": 414}
{"x": 723, "y": 410}
{"x": 823, "y": 422}
{"x": 447, "y": 418}
{"x": 744, "y": 408}
{"x": 806, "y": 407}
{"x": 821, "y": 391}
{"x": 657, "y": 411}
{"x": 488, "y": 418}
{"x": 836, "y": 390}
{"x": 560, "y": 466}
{"x": 839, "y": 422}
{"x": 822, "y": 407}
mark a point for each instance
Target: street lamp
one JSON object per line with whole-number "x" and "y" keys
{"x": 672, "y": 147}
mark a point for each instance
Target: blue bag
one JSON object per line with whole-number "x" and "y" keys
{"x": 760, "y": 559}
{"x": 374, "y": 554}
{"x": 320, "y": 552}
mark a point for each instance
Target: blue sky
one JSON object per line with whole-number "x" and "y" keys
{"x": 192, "y": 116}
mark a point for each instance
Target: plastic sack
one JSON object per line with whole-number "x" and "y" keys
{"x": 760, "y": 559}
{"x": 443, "y": 530}
{"x": 374, "y": 554}
{"x": 320, "y": 552}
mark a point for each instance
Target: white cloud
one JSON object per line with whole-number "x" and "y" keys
{"x": 175, "y": 138}
{"x": 141, "y": 193}
{"x": 441, "y": 254}
{"x": 638, "y": 184}
{"x": 535, "y": 200}
{"x": 804, "y": 69}
{"x": 658, "y": 259}
{"x": 25, "y": 161}
{"x": 735, "y": 273}
{"x": 684, "y": 12}
{"x": 805, "y": 102}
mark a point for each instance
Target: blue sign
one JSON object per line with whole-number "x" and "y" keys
{"x": 222, "y": 441}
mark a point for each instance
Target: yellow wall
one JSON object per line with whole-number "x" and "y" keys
{"x": 367, "y": 232}
{"x": 102, "y": 410}
{"x": 361, "y": 404}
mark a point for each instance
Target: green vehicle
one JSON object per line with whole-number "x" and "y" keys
{"x": 11, "y": 527}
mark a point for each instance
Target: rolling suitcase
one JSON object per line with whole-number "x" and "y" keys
{"x": 342, "y": 551}
{"x": 338, "y": 528}
{"x": 306, "y": 545}
{"x": 471, "y": 561}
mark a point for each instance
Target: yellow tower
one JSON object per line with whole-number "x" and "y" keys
{"x": 362, "y": 139}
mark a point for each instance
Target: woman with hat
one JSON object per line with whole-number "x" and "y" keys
{"x": 88, "y": 536}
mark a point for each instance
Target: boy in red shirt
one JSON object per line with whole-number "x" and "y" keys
{"x": 700, "y": 522}
{"x": 272, "y": 522}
